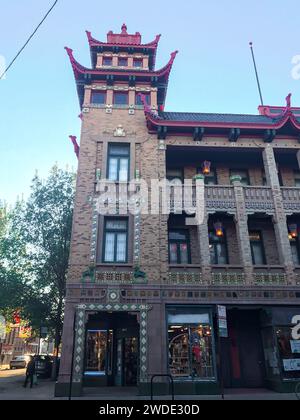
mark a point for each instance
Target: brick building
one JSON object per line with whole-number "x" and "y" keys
{"x": 145, "y": 288}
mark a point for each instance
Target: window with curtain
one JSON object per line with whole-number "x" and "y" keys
{"x": 218, "y": 249}
{"x": 257, "y": 248}
{"x": 179, "y": 247}
{"x": 115, "y": 240}
{"x": 118, "y": 162}
{"x": 243, "y": 173}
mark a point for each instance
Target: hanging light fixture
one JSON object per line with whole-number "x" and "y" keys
{"x": 219, "y": 229}
{"x": 206, "y": 167}
{"x": 293, "y": 229}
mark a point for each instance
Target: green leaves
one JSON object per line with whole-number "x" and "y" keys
{"x": 34, "y": 251}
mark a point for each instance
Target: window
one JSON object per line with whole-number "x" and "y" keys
{"x": 295, "y": 250}
{"x": 179, "y": 247}
{"x": 138, "y": 100}
{"x": 190, "y": 344}
{"x": 123, "y": 62}
{"x": 118, "y": 162}
{"x": 120, "y": 98}
{"x": 243, "y": 173}
{"x": 107, "y": 61}
{"x": 218, "y": 249}
{"x": 115, "y": 240}
{"x": 175, "y": 174}
{"x": 138, "y": 63}
{"x": 257, "y": 248}
{"x": 297, "y": 178}
{"x": 99, "y": 98}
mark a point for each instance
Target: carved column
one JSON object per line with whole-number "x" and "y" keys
{"x": 242, "y": 231}
{"x": 280, "y": 221}
{"x": 203, "y": 237}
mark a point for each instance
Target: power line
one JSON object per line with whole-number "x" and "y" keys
{"x": 256, "y": 74}
{"x": 28, "y": 40}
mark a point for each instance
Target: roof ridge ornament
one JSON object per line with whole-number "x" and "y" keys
{"x": 124, "y": 29}
{"x": 289, "y": 102}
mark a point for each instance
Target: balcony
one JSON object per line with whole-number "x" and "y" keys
{"x": 259, "y": 199}
{"x": 229, "y": 276}
{"x": 221, "y": 198}
{"x": 291, "y": 199}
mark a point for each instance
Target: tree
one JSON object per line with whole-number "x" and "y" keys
{"x": 34, "y": 252}
{"x": 47, "y": 224}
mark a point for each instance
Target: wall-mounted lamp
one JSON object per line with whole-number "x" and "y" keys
{"x": 219, "y": 229}
{"x": 293, "y": 231}
{"x": 206, "y": 165}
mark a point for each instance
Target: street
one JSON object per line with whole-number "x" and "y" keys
{"x": 11, "y": 388}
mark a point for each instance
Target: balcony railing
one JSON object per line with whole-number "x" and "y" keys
{"x": 258, "y": 198}
{"x": 231, "y": 276}
{"x": 291, "y": 198}
{"x": 219, "y": 197}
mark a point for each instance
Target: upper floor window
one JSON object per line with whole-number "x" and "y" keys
{"x": 138, "y": 99}
{"x": 123, "y": 62}
{"x": 297, "y": 178}
{"x": 118, "y": 162}
{"x": 257, "y": 248}
{"x": 107, "y": 61}
{"x": 243, "y": 173}
{"x": 179, "y": 247}
{"x": 121, "y": 98}
{"x": 99, "y": 98}
{"x": 218, "y": 249}
{"x": 138, "y": 63}
{"x": 115, "y": 240}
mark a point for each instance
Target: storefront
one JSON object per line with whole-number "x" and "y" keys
{"x": 260, "y": 351}
{"x": 282, "y": 352}
{"x": 191, "y": 346}
{"x": 111, "y": 350}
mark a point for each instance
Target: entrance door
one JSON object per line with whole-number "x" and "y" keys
{"x": 243, "y": 356}
{"x": 126, "y": 362}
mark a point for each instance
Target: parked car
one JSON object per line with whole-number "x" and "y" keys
{"x": 43, "y": 366}
{"x": 18, "y": 362}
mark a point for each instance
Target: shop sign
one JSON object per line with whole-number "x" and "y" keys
{"x": 291, "y": 365}
{"x": 222, "y": 321}
{"x": 296, "y": 328}
{"x": 295, "y": 346}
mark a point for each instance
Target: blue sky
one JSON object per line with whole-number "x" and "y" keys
{"x": 212, "y": 73}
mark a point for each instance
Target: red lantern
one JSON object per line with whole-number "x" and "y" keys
{"x": 206, "y": 167}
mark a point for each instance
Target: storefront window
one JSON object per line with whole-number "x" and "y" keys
{"x": 96, "y": 352}
{"x": 190, "y": 346}
{"x": 289, "y": 352}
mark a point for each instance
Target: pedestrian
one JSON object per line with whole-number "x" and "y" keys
{"x": 30, "y": 372}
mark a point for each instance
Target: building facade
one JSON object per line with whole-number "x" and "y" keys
{"x": 143, "y": 289}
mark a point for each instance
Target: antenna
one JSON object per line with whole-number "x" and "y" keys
{"x": 256, "y": 74}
